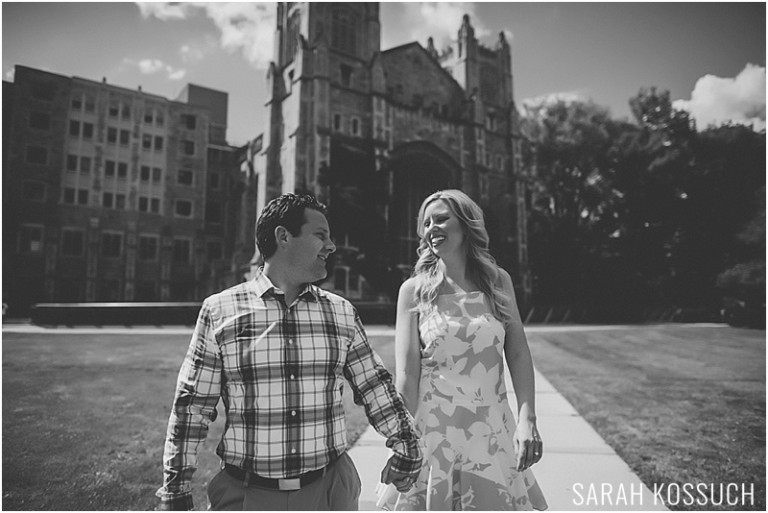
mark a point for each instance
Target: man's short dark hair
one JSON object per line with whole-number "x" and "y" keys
{"x": 286, "y": 211}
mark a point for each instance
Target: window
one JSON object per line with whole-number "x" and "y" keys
{"x": 500, "y": 162}
{"x": 77, "y": 102}
{"x": 116, "y": 201}
{"x": 215, "y": 250}
{"x": 109, "y": 168}
{"x": 111, "y": 135}
{"x": 30, "y": 238}
{"x": 213, "y": 212}
{"x": 148, "y": 117}
{"x": 74, "y": 128}
{"x": 185, "y": 177}
{"x": 37, "y": 155}
{"x": 39, "y": 120}
{"x": 355, "y": 126}
{"x": 183, "y": 208}
{"x": 337, "y": 122}
{"x": 158, "y": 143}
{"x": 111, "y": 245}
{"x": 72, "y": 242}
{"x": 148, "y": 245}
{"x": 157, "y": 174}
{"x": 122, "y": 170}
{"x": 188, "y": 147}
{"x": 346, "y": 75}
{"x": 145, "y": 173}
{"x": 114, "y": 110}
{"x": 85, "y": 165}
{"x": 213, "y": 181}
{"x": 71, "y": 162}
{"x": 147, "y": 204}
{"x": 126, "y": 112}
{"x": 109, "y": 290}
{"x": 90, "y": 105}
{"x": 33, "y": 191}
{"x": 189, "y": 121}
{"x": 159, "y": 118}
{"x": 72, "y": 196}
{"x": 125, "y": 137}
{"x": 146, "y": 141}
{"x": 182, "y": 250}
{"x": 68, "y": 196}
{"x": 343, "y": 30}
{"x": 87, "y": 130}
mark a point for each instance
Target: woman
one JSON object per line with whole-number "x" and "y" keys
{"x": 456, "y": 320}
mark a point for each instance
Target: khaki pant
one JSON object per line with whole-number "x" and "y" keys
{"x": 337, "y": 490}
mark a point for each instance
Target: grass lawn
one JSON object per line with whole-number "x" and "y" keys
{"x": 84, "y": 419}
{"x": 678, "y": 404}
{"x": 84, "y": 416}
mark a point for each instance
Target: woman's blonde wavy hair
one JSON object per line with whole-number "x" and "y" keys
{"x": 482, "y": 267}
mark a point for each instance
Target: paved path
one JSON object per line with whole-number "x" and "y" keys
{"x": 579, "y": 471}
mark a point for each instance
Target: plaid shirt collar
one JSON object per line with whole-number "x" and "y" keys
{"x": 264, "y": 285}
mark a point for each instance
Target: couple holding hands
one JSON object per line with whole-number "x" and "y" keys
{"x": 277, "y": 349}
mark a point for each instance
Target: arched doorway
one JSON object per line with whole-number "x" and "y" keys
{"x": 417, "y": 169}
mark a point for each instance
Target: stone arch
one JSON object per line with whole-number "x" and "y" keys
{"x": 417, "y": 169}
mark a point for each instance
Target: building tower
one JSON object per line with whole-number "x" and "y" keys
{"x": 372, "y": 133}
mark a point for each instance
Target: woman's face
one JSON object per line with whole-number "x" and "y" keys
{"x": 442, "y": 229}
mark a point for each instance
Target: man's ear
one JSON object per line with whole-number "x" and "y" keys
{"x": 281, "y": 235}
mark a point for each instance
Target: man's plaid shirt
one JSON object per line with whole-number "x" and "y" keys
{"x": 279, "y": 371}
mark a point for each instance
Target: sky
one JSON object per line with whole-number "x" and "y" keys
{"x": 709, "y": 56}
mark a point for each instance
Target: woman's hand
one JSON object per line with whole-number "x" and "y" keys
{"x": 527, "y": 443}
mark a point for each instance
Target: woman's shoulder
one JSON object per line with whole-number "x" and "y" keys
{"x": 408, "y": 291}
{"x": 503, "y": 279}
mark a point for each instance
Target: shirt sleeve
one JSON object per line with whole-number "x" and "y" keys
{"x": 194, "y": 408}
{"x": 373, "y": 389}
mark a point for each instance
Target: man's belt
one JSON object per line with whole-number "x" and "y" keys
{"x": 295, "y": 483}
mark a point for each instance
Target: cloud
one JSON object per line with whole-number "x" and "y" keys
{"x": 152, "y": 66}
{"x": 441, "y": 21}
{"x": 247, "y": 28}
{"x": 544, "y": 100}
{"x": 10, "y": 74}
{"x": 739, "y": 100}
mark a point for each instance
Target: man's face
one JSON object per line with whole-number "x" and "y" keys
{"x": 307, "y": 252}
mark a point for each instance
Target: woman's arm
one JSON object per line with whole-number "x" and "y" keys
{"x": 520, "y": 363}
{"x": 407, "y": 348}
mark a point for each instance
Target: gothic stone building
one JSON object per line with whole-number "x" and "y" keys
{"x": 373, "y": 132}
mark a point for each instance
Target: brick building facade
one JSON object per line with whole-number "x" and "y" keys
{"x": 111, "y": 194}
{"x": 373, "y": 132}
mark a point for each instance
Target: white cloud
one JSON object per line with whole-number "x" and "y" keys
{"x": 164, "y": 10}
{"x": 247, "y": 28}
{"x": 441, "y": 21}
{"x": 739, "y": 100}
{"x": 10, "y": 74}
{"x": 152, "y": 66}
{"x": 545, "y": 100}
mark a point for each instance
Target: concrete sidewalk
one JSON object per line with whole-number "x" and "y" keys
{"x": 579, "y": 471}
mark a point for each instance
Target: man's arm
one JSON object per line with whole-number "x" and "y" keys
{"x": 194, "y": 407}
{"x": 373, "y": 389}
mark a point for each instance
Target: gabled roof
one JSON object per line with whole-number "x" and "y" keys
{"x": 427, "y": 55}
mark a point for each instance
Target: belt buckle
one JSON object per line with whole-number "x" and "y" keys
{"x": 286, "y": 485}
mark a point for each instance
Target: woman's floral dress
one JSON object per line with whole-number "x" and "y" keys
{"x": 464, "y": 417}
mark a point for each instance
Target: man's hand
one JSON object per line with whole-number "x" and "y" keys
{"x": 403, "y": 482}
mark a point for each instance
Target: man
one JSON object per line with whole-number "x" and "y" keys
{"x": 275, "y": 350}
